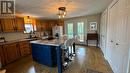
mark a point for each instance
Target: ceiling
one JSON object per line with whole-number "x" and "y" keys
{"x": 48, "y": 9}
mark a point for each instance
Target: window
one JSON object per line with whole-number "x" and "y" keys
{"x": 30, "y": 24}
{"x": 70, "y": 30}
{"x": 80, "y": 30}
{"x": 28, "y": 28}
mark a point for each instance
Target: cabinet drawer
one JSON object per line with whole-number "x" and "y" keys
{"x": 24, "y": 48}
{"x": 24, "y": 51}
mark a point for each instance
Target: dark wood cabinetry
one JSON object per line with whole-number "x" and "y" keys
{"x": 92, "y": 36}
{"x": 24, "y": 48}
{"x": 2, "y": 58}
{"x": 1, "y": 27}
{"x": 11, "y": 52}
{"x": 45, "y": 25}
{"x": 8, "y": 25}
{"x": 11, "y": 24}
{"x": 19, "y": 23}
{"x": 38, "y": 25}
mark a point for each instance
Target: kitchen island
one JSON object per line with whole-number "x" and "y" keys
{"x": 48, "y": 52}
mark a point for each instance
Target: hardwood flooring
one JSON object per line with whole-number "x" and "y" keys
{"x": 86, "y": 58}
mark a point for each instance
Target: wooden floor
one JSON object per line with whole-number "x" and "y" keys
{"x": 86, "y": 58}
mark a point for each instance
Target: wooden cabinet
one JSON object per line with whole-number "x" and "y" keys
{"x": 44, "y": 25}
{"x": 8, "y": 25}
{"x": 2, "y": 58}
{"x": 51, "y": 24}
{"x": 1, "y": 27}
{"x": 12, "y": 24}
{"x": 38, "y": 25}
{"x": 19, "y": 23}
{"x": 11, "y": 52}
{"x": 24, "y": 48}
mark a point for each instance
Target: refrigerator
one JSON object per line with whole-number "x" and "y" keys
{"x": 57, "y": 31}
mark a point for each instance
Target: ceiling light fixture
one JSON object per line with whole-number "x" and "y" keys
{"x": 62, "y": 12}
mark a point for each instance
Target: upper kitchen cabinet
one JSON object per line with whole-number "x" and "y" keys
{"x": 0, "y": 27}
{"x": 44, "y": 26}
{"x": 60, "y": 22}
{"x": 8, "y": 25}
{"x": 38, "y": 25}
{"x": 51, "y": 23}
{"x": 19, "y": 24}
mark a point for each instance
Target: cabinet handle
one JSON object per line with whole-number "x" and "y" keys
{"x": 117, "y": 44}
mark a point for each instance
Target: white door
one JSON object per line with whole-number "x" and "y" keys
{"x": 103, "y": 28}
{"x": 117, "y": 42}
{"x": 122, "y": 37}
{"x": 110, "y": 32}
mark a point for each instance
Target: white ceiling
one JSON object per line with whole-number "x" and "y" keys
{"x": 48, "y": 9}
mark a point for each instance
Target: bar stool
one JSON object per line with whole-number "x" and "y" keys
{"x": 72, "y": 48}
{"x": 66, "y": 54}
{"x": 77, "y": 39}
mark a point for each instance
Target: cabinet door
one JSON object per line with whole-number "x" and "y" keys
{"x": 44, "y": 26}
{"x": 8, "y": 25}
{"x": 52, "y": 23}
{"x": 0, "y": 27}
{"x": 12, "y": 52}
{"x": 38, "y": 25}
{"x": 2, "y": 58}
{"x": 24, "y": 48}
{"x": 20, "y": 24}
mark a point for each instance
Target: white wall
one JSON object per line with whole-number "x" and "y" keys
{"x": 103, "y": 31}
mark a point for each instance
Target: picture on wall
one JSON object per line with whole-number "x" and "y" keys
{"x": 93, "y": 25}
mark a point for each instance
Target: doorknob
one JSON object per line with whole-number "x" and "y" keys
{"x": 111, "y": 41}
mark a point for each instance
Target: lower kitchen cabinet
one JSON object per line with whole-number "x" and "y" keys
{"x": 2, "y": 58}
{"x": 24, "y": 47}
{"x": 11, "y": 52}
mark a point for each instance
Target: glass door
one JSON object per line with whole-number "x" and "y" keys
{"x": 70, "y": 31}
{"x": 80, "y": 31}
